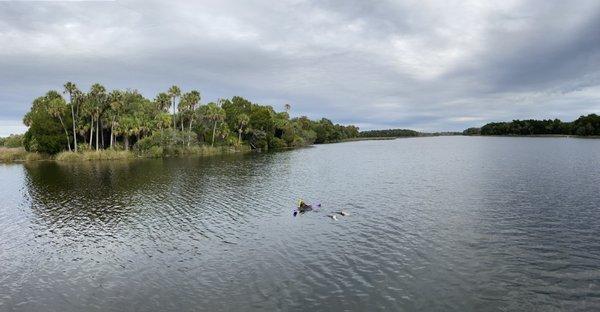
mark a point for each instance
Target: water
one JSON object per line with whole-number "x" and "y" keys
{"x": 444, "y": 224}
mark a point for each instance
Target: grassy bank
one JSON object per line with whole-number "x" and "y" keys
{"x": 94, "y": 155}
{"x": 18, "y": 154}
{"x": 10, "y": 155}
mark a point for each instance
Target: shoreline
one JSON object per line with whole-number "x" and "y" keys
{"x": 537, "y": 136}
{"x": 19, "y": 155}
{"x": 367, "y": 139}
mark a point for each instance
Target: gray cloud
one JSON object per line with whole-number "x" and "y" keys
{"x": 435, "y": 65}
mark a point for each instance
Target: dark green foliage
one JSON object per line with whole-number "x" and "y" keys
{"x": 525, "y": 127}
{"x": 261, "y": 118}
{"x": 45, "y": 135}
{"x": 584, "y": 126}
{"x": 173, "y": 121}
{"x": 472, "y": 131}
{"x": 233, "y": 108}
{"x": 166, "y": 139}
{"x": 395, "y": 133}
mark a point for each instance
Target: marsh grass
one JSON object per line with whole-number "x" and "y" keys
{"x": 94, "y": 155}
{"x": 9, "y": 155}
{"x": 154, "y": 152}
{"x": 12, "y": 154}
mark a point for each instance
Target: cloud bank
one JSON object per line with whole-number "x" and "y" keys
{"x": 426, "y": 65}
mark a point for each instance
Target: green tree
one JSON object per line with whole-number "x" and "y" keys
{"x": 242, "y": 123}
{"x": 45, "y": 133}
{"x": 174, "y": 93}
{"x": 74, "y": 93}
{"x": 57, "y": 107}
{"x": 213, "y": 114}
{"x": 163, "y": 101}
{"x": 189, "y": 102}
{"x": 115, "y": 108}
{"x": 96, "y": 104}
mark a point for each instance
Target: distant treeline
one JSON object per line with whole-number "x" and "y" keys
{"x": 389, "y": 133}
{"x": 583, "y": 126}
{"x": 402, "y": 133}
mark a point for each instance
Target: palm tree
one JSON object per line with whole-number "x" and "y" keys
{"x": 191, "y": 100}
{"x": 163, "y": 101}
{"x": 72, "y": 90}
{"x": 214, "y": 114}
{"x": 57, "y": 107}
{"x": 242, "y": 122}
{"x": 174, "y": 92}
{"x": 99, "y": 100}
{"x": 115, "y": 107}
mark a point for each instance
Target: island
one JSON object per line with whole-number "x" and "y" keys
{"x": 119, "y": 124}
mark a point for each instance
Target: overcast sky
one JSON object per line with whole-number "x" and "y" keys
{"x": 426, "y": 65}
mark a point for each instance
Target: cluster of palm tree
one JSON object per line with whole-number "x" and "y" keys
{"x": 100, "y": 119}
{"x": 127, "y": 113}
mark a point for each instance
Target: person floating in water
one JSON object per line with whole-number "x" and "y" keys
{"x": 303, "y": 207}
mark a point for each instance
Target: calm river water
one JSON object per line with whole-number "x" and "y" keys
{"x": 438, "y": 224}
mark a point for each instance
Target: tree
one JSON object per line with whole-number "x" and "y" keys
{"x": 214, "y": 114}
{"x": 115, "y": 108}
{"x": 163, "y": 101}
{"x": 242, "y": 122}
{"x": 73, "y": 92}
{"x": 234, "y": 107}
{"x": 130, "y": 118}
{"x": 190, "y": 100}
{"x": 174, "y": 92}
{"x": 45, "y": 133}
{"x": 57, "y": 107}
{"x": 98, "y": 101}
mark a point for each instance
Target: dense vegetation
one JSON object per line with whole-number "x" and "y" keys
{"x": 583, "y": 126}
{"x": 389, "y": 133}
{"x": 172, "y": 121}
{"x": 12, "y": 141}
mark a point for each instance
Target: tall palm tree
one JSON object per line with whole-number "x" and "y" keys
{"x": 99, "y": 102}
{"x": 174, "y": 92}
{"x": 242, "y": 122}
{"x": 73, "y": 92}
{"x": 191, "y": 100}
{"x": 115, "y": 107}
{"x": 213, "y": 113}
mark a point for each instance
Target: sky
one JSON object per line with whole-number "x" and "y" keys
{"x": 426, "y": 65}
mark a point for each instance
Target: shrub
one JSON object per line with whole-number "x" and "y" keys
{"x": 12, "y": 141}
{"x": 277, "y": 143}
{"x": 167, "y": 139}
{"x": 156, "y": 152}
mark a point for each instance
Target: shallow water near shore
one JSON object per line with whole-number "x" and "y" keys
{"x": 437, "y": 223}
